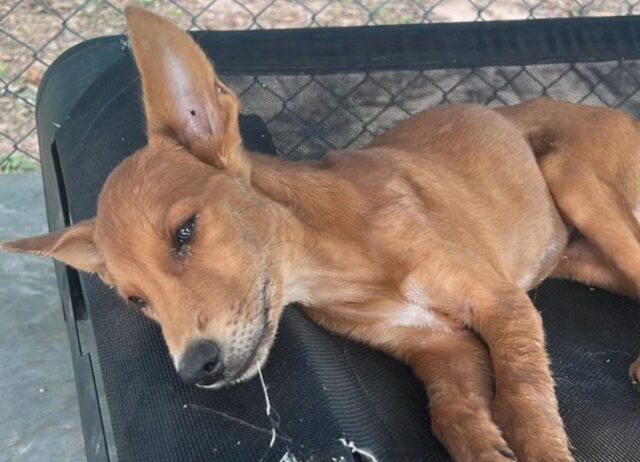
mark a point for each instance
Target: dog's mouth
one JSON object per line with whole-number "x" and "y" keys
{"x": 258, "y": 353}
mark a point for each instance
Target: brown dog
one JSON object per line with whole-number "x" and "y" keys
{"x": 427, "y": 240}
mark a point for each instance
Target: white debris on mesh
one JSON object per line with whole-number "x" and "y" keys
{"x": 288, "y": 457}
{"x": 268, "y": 409}
{"x": 356, "y": 450}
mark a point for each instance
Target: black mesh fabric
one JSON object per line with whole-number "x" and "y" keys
{"x": 323, "y": 387}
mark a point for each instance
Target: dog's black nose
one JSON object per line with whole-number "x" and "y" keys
{"x": 201, "y": 363}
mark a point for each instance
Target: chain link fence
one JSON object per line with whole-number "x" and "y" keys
{"x": 34, "y": 32}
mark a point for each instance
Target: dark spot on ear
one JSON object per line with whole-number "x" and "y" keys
{"x": 193, "y": 112}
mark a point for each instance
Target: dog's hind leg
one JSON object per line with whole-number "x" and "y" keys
{"x": 602, "y": 217}
{"x": 583, "y": 262}
{"x": 596, "y": 210}
{"x": 456, "y": 372}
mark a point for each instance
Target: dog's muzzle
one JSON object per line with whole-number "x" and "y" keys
{"x": 201, "y": 364}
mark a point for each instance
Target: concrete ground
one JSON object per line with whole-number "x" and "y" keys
{"x": 40, "y": 418}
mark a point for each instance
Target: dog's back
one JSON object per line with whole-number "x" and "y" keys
{"x": 472, "y": 165}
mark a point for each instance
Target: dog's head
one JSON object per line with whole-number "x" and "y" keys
{"x": 179, "y": 232}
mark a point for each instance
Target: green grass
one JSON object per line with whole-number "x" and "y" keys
{"x": 4, "y": 70}
{"x": 17, "y": 163}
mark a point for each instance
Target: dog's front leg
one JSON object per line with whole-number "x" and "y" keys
{"x": 525, "y": 405}
{"x": 456, "y": 371}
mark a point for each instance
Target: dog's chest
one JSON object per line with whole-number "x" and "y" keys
{"x": 545, "y": 262}
{"x": 408, "y": 306}
{"x": 416, "y": 310}
{"x": 420, "y": 316}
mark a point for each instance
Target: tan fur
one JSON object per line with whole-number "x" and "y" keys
{"x": 422, "y": 244}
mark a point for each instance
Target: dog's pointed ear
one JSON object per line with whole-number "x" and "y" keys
{"x": 73, "y": 245}
{"x": 183, "y": 97}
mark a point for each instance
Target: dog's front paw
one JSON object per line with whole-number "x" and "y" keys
{"x": 498, "y": 454}
{"x": 508, "y": 453}
{"x": 535, "y": 432}
{"x": 501, "y": 453}
{"x": 479, "y": 441}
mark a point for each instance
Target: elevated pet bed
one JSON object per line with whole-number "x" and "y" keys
{"x": 303, "y": 93}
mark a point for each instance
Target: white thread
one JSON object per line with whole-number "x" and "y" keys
{"x": 264, "y": 388}
{"x": 268, "y": 409}
{"x": 288, "y": 457}
{"x": 356, "y": 450}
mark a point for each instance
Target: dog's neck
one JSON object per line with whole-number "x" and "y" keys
{"x": 313, "y": 191}
{"x": 318, "y": 215}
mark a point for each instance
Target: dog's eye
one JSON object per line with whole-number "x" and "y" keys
{"x": 184, "y": 234}
{"x": 137, "y": 302}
